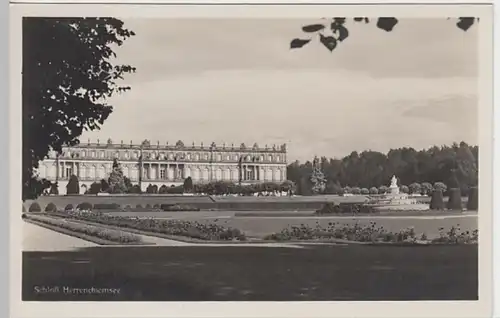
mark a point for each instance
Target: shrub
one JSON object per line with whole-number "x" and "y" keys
{"x": 383, "y": 189}
{"x": 73, "y": 186}
{"x": 95, "y": 188}
{"x": 415, "y": 188}
{"x": 437, "y": 200}
{"x": 35, "y": 207}
{"x": 68, "y": 207}
{"x": 106, "y": 206}
{"x": 472, "y": 203}
{"x": 128, "y": 207}
{"x": 426, "y": 188}
{"x": 329, "y": 208}
{"x": 24, "y": 209}
{"x": 178, "y": 207}
{"x": 356, "y": 190}
{"x": 51, "y": 207}
{"x": 138, "y": 206}
{"x": 188, "y": 185}
{"x": 373, "y": 190}
{"x": 84, "y": 206}
{"x": 54, "y": 189}
{"x": 156, "y": 206}
{"x": 440, "y": 186}
{"x": 404, "y": 189}
{"x": 454, "y": 200}
{"x": 365, "y": 191}
{"x": 148, "y": 206}
{"x": 23, "y": 216}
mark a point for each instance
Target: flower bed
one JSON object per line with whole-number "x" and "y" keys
{"x": 345, "y": 208}
{"x": 89, "y": 230}
{"x": 178, "y": 208}
{"x": 192, "y": 229}
{"x": 370, "y": 234}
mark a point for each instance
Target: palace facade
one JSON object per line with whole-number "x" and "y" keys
{"x": 166, "y": 164}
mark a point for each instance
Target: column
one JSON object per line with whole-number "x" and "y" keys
{"x": 255, "y": 172}
{"x": 158, "y": 175}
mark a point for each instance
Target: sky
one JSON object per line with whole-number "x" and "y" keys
{"x": 236, "y": 80}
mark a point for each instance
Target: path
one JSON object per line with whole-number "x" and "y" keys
{"x": 37, "y": 238}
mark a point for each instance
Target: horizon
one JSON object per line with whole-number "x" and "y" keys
{"x": 417, "y": 88}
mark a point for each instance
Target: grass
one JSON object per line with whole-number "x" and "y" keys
{"x": 317, "y": 273}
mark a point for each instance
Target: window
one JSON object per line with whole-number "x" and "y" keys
{"x": 206, "y": 157}
{"x": 83, "y": 153}
{"x": 228, "y": 158}
{"x": 93, "y": 154}
{"x": 219, "y": 157}
{"x": 270, "y": 158}
{"x": 261, "y": 158}
{"x": 117, "y": 154}
{"x": 69, "y": 172}
{"x": 102, "y": 154}
{"x": 189, "y": 156}
{"x": 126, "y": 155}
{"x": 277, "y": 158}
{"x": 236, "y": 157}
{"x": 162, "y": 174}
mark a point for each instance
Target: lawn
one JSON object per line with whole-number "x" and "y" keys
{"x": 257, "y": 273}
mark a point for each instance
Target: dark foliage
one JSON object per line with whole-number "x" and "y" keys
{"x": 67, "y": 77}
{"x": 51, "y": 207}
{"x": 54, "y": 189}
{"x": 178, "y": 207}
{"x": 437, "y": 202}
{"x": 35, "y": 207}
{"x": 73, "y": 186}
{"x": 95, "y": 188}
{"x": 375, "y": 169}
{"x": 454, "y": 200}
{"x": 106, "y": 206}
{"x": 335, "y": 31}
{"x": 472, "y": 203}
{"x": 68, "y": 207}
{"x": 84, "y": 206}
{"x": 188, "y": 185}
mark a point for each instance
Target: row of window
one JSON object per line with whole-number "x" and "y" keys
{"x": 170, "y": 156}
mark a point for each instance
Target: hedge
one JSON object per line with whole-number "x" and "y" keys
{"x": 84, "y": 206}
{"x": 51, "y": 207}
{"x": 437, "y": 202}
{"x": 178, "y": 207}
{"x": 106, "y": 206}
{"x": 35, "y": 207}
{"x": 454, "y": 200}
{"x": 68, "y": 207}
{"x": 472, "y": 203}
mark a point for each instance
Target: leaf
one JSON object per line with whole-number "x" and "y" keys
{"x": 328, "y": 41}
{"x": 387, "y": 24}
{"x": 343, "y": 33}
{"x": 313, "y": 28}
{"x": 298, "y": 43}
{"x": 465, "y": 23}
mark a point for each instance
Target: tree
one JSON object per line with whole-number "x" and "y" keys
{"x": 317, "y": 178}
{"x": 454, "y": 199}
{"x": 333, "y": 31}
{"x": 426, "y": 188}
{"x": 188, "y": 185}
{"x": 104, "y": 186}
{"x": 117, "y": 179}
{"x": 73, "y": 186}
{"x": 437, "y": 202}
{"x": 383, "y": 189}
{"x": 95, "y": 188}
{"x": 332, "y": 187}
{"x": 67, "y": 78}
{"x": 440, "y": 186}
{"x": 415, "y": 188}
{"x": 54, "y": 188}
{"x": 472, "y": 203}
{"x": 404, "y": 189}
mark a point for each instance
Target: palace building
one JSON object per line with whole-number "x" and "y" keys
{"x": 166, "y": 164}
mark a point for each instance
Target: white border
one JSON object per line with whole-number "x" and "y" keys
{"x": 481, "y": 308}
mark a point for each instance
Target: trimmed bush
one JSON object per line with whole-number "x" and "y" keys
{"x": 177, "y": 207}
{"x": 156, "y": 206}
{"x": 69, "y": 207}
{"x": 373, "y": 190}
{"x": 138, "y": 206}
{"x": 51, "y": 207}
{"x": 454, "y": 200}
{"x": 35, "y": 207}
{"x": 23, "y": 216}
{"x": 148, "y": 206}
{"x": 73, "y": 186}
{"x": 106, "y": 206}
{"x": 84, "y": 206}
{"x": 329, "y": 208}
{"x": 472, "y": 203}
{"x": 437, "y": 202}
{"x": 365, "y": 191}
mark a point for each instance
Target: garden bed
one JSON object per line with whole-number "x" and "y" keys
{"x": 370, "y": 234}
{"x": 168, "y": 228}
{"x": 92, "y": 233}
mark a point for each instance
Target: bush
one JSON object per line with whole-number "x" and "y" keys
{"x": 178, "y": 207}
{"x": 94, "y": 188}
{"x": 415, "y": 188}
{"x": 404, "y": 189}
{"x": 156, "y": 206}
{"x": 35, "y": 207}
{"x": 138, "y": 206}
{"x": 54, "y": 189}
{"x": 69, "y": 207}
{"x": 440, "y": 186}
{"x": 365, "y": 191}
{"x": 148, "y": 206}
{"x": 426, "y": 188}
{"x": 356, "y": 190}
{"x": 373, "y": 190}
{"x": 24, "y": 209}
{"x": 329, "y": 208}
{"x": 51, "y": 207}
{"x": 23, "y": 216}
{"x": 383, "y": 189}
{"x": 437, "y": 200}
{"x": 472, "y": 203}
{"x": 73, "y": 186}
{"x": 84, "y": 206}
{"x": 454, "y": 200}
{"x": 106, "y": 206}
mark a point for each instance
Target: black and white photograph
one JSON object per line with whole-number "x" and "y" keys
{"x": 234, "y": 158}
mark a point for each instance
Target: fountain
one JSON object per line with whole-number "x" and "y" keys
{"x": 393, "y": 198}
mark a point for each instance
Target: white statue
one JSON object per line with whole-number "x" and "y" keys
{"x": 394, "y": 182}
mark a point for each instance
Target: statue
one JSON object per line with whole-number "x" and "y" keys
{"x": 394, "y": 182}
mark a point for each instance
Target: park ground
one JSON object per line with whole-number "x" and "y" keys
{"x": 239, "y": 273}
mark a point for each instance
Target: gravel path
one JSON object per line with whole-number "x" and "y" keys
{"x": 37, "y": 238}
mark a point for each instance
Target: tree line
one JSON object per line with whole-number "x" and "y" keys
{"x": 454, "y": 166}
